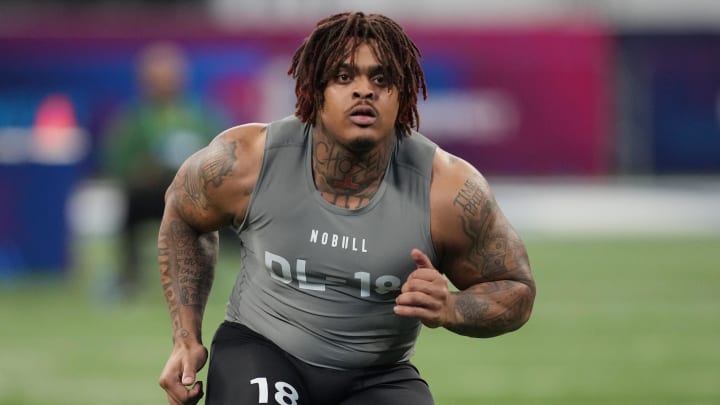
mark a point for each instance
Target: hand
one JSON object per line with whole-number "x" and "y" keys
{"x": 425, "y": 294}
{"x": 178, "y": 376}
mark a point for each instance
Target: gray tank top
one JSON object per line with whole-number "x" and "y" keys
{"x": 321, "y": 281}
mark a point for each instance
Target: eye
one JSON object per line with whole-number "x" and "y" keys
{"x": 380, "y": 80}
{"x": 342, "y": 77}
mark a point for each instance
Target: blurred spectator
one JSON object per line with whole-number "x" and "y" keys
{"x": 145, "y": 145}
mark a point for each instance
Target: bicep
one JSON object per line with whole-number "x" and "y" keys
{"x": 479, "y": 245}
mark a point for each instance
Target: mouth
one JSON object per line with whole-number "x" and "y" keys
{"x": 363, "y": 115}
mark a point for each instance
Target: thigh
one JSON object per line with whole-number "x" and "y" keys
{"x": 399, "y": 385}
{"x": 245, "y": 368}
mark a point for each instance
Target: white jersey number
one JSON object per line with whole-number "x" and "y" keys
{"x": 285, "y": 394}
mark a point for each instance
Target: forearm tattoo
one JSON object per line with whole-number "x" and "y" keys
{"x": 480, "y": 319}
{"x": 187, "y": 262}
{"x": 497, "y": 254}
{"x": 187, "y": 257}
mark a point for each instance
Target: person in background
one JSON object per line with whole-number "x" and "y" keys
{"x": 147, "y": 142}
{"x": 350, "y": 224}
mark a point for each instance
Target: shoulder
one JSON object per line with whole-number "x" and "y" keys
{"x": 231, "y": 162}
{"x": 214, "y": 185}
{"x": 245, "y": 139}
{"x": 237, "y": 152}
{"x": 460, "y": 199}
{"x": 452, "y": 174}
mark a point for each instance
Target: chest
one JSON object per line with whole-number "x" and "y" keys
{"x": 301, "y": 243}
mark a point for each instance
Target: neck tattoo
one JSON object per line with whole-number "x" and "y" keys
{"x": 344, "y": 178}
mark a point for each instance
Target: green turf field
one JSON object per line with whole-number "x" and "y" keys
{"x": 621, "y": 321}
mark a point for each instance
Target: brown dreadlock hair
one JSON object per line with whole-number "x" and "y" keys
{"x": 318, "y": 58}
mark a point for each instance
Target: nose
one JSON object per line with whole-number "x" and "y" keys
{"x": 363, "y": 89}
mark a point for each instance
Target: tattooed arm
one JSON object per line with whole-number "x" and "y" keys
{"x": 480, "y": 253}
{"x": 210, "y": 191}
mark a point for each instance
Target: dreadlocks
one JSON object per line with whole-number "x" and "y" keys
{"x": 338, "y": 36}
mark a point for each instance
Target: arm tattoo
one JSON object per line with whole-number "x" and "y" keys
{"x": 187, "y": 257}
{"x": 479, "y": 318}
{"x": 187, "y": 262}
{"x": 492, "y": 246}
{"x": 495, "y": 251}
{"x": 210, "y": 171}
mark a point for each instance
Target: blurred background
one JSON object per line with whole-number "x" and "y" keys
{"x": 596, "y": 122}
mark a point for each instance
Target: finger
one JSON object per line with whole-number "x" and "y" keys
{"x": 188, "y": 376}
{"x": 176, "y": 396}
{"x": 429, "y": 281}
{"x": 173, "y": 387}
{"x": 195, "y": 393}
{"x": 427, "y": 317}
{"x": 412, "y": 311}
{"x": 420, "y": 282}
{"x": 173, "y": 401}
{"x": 180, "y": 395}
{"x": 426, "y": 274}
{"x": 421, "y": 259}
{"x": 418, "y": 299}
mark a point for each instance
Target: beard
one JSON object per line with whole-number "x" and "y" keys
{"x": 361, "y": 145}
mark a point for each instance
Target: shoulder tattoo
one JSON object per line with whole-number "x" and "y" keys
{"x": 209, "y": 170}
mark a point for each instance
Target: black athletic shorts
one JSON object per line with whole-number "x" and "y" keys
{"x": 246, "y": 368}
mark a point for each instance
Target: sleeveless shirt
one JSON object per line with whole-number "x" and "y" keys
{"x": 318, "y": 280}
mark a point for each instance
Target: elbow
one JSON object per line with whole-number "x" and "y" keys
{"x": 518, "y": 311}
{"x": 524, "y": 305}
{"x": 506, "y": 317}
